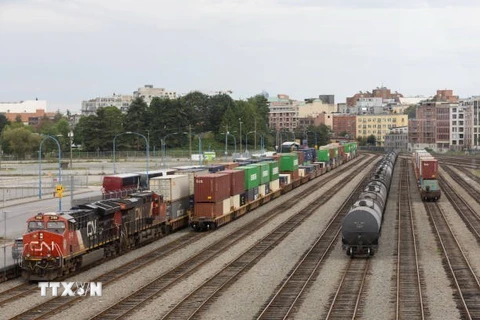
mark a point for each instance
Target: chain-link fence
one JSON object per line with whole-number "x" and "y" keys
{"x": 28, "y": 187}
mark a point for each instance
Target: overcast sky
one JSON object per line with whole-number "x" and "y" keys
{"x": 66, "y": 51}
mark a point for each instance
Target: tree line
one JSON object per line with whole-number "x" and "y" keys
{"x": 190, "y": 116}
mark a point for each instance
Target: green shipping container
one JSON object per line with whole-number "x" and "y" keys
{"x": 288, "y": 162}
{"x": 263, "y": 171}
{"x": 323, "y": 155}
{"x": 252, "y": 177}
{"x": 274, "y": 172}
{"x": 347, "y": 147}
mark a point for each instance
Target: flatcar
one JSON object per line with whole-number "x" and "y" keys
{"x": 362, "y": 224}
{"x": 426, "y": 172}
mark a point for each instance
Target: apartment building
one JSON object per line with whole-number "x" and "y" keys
{"x": 397, "y": 139}
{"x": 148, "y": 92}
{"x": 282, "y": 114}
{"x": 379, "y": 125}
{"x": 122, "y": 102}
{"x": 471, "y": 112}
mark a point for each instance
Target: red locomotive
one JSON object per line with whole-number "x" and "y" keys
{"x": 58, "y": 243}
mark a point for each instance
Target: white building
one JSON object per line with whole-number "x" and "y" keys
{"x": 122, "y": 102}
{"x": 26, "y": 106}
{"x": 148, "y": 92}
{"x": 471, "y": 111}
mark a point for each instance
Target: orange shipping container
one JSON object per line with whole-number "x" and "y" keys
{"x": 208, "y": 209}
{"x": 213, "y": 187}
{"x": 237, "y": 181}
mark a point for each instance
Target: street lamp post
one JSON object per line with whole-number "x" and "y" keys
{"x": 226, "y": 146}
{"x": 240, "y": 119}
{"x": 246, "y": 140}
{"x": 164, "y": 148}
{"x": 146, "y": 149}
{"x": 70, "y": 136}
{"x": 40, "y": 168}
{"x": 200, "y": 158}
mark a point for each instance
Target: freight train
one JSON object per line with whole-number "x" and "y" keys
{"x": 362, "y": 224}
{"x": 426, "y": 173}
{"x": 58, "y": 243}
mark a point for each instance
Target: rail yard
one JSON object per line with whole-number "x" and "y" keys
{"x": 285, "y": 259}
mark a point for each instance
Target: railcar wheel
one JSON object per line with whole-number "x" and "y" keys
{"x": 350, "y": 252}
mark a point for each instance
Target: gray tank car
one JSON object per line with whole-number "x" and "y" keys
{"x": 362, "y": 224}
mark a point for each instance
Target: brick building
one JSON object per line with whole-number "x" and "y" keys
{"x": 379, "y": 92}
{"x": 342, "y": 123}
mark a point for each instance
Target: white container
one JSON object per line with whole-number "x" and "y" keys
{"x": 261, "y": 190}
{"x": 226, "y": 206}
{"x": 289, "y": 178}
{"x": 301, "y": 172}
{"x": 235, "y": 202}
{"x": 274, "y": 185}
{"x": 172, "y": 188}
{"x": 192, "y": 173}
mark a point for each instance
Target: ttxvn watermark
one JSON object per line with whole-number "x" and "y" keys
{"x": 70, "y": 289}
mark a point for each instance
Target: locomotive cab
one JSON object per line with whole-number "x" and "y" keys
{"x": 44, "y": 246}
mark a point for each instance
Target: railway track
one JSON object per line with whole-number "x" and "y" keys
{"x": 465, "y": 162}
{"x": 461, "y": 181}
{"x": 282, "y": 304}
{"x": 464, "y": 210}
{"x": 59, "y": 304}
{"x": 346, "y": 301}
{"x": 17, "y": 292}
{"x": 409, "y": 297}
{"x": 196, "y": 302}
{"x": 464, "y": 280}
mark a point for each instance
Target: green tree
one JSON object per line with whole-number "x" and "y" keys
{"x": 195, "y": 105}
{"x": 217, "y": 105}
{"x": 371, "y": 140}
{"x": 136, "y": 118}
{"x": 20, "y": 141}
{"x": 3, "y": 122}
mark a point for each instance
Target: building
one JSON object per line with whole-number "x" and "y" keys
{"x": 445, "y": 96}
{"x": 397, "y": 139}
{"x": 457, "y": 128}
{"x": 122, "y": 102}
{"x": 30, "y": 112}
{"x": 379, "y": 92}
{"x": 26, "y": 106}
{"x": 148, "y": 92}
{"x": 282, "y": 114}
{"x": 434, "y": 123}
{"x": 344, "y": 123}
{"x": 471, "y": 112}
{"x": 379, "y": 125}
{"x": 327, "y": 98}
